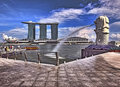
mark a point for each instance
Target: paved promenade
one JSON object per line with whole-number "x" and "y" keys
{"x": 97, "y": 71}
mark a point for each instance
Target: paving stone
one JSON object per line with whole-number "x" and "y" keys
{"x": 96, "y": 71}
{"x": 50, "y": 84}
{"x": 39, "y": 84}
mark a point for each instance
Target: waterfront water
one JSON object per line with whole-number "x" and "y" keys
{"x": 66, "y": 53}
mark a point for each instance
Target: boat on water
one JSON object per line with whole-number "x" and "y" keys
{"x": 31, "y": 48}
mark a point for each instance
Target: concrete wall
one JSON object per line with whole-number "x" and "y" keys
{"x": 90, "y": 52}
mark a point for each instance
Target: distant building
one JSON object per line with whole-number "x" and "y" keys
{"x": 80, "y": 39}
{"x": 115, "y": 43}
{"x": 9, "y": 38}
{"x": 43, "y": 30}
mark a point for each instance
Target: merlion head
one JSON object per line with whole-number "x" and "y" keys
{"x": 102, "y": 22}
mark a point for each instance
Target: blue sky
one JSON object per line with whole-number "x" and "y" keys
{"x": 71, "y": 14}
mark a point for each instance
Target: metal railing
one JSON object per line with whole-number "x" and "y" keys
{"x": 16, "y": 53}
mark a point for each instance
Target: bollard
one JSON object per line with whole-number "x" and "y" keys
{"x": 38, "y": 57}
{"x": 1, "y": 54}
{"x": 64, "y": 62}
{"x": 20, "y": 52}
{"x": 15, "y": 55}
{"x": 6, "y": 54}
{"x": 57, "y": 59}
{"x": 25, "y": 56}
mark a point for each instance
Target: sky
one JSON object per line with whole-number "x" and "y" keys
{"x": 71, "y": 15}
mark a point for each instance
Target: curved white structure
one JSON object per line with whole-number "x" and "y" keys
{"x": 9, "y": 38}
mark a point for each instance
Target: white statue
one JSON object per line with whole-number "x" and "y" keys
{"x": 102, "y": 30}
{"x": 9, "y": 39}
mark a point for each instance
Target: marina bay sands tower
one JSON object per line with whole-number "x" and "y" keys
{"x": 43, "y": 30}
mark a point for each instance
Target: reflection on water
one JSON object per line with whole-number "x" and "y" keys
{"x": 66, "y": 53}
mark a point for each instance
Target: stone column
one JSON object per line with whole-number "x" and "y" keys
{"x": 54, "y": 31}
{"x": 43, "y": 33}
{"x": 31, "y": 32}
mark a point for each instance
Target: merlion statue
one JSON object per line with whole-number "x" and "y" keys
{"x": 102, "y": 30}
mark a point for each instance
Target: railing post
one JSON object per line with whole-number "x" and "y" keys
{"x": 15, "y": 55}
{"x": 25, "y": 56}
{"x": 57, "y": 59}
{"x": 1, "y": 54}
{"x": 64, "y": 62}
{"x": 6, "y": 54}
{"x": 20, "y": 52}
{"x": 38, "y": 57}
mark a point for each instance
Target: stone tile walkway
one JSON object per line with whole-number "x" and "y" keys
{"x": 97, "y": 71}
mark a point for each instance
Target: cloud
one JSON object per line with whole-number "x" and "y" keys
{"x": 61, "y": 15}
{"x": 20, "y": 33}
{"x": 115, "y": 23}
{"x": 108, "y": 7}
{"x": 89, "y": 6}
{"x": 4, "y": 24}
{"x": 115, "y": 36}
{"x": 115, "y": 28}
{"x": 85, "y": 33}
{"x": 17, "y": 31}
{"x": 102, "y": 10}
